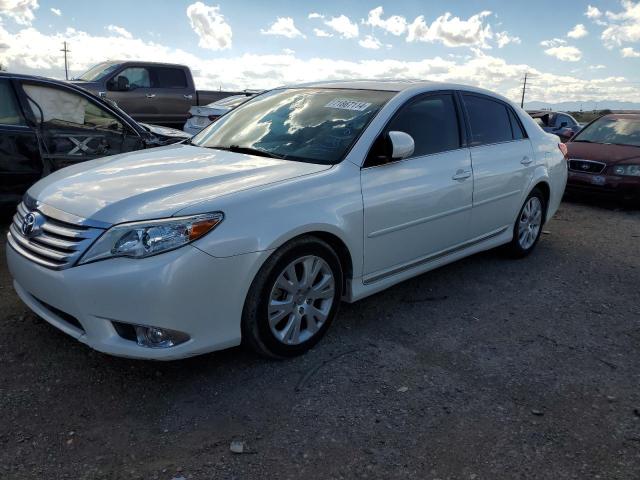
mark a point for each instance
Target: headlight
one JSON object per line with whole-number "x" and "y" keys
{"x": 630, "y": 170}
{"x": 144, "y": 239}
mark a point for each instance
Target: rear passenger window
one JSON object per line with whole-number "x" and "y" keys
{"x": 516, "y": 127}
{"x": 432, "y": 122}
{"x": 9, "y": 110}
{"x": 169, "y": 77}
{"x": 489, "y": 120}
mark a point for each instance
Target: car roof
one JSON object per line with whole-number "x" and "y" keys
{"x": 393, "y": 85}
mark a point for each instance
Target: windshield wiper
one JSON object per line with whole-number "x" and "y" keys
{"x": 248, "y": 150}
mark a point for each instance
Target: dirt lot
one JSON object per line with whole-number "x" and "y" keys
{"x": 486, "y": 369}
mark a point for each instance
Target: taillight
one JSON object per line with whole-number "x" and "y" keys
{"x": 565, "y": 151}
{"x": 213, "y": 118}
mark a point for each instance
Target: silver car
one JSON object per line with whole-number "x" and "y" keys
{"x": 201, "y": 117}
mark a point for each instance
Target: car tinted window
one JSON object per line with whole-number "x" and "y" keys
{"x": 62, "y": 107}
{"x": 432, "y": 122}
{"x": 169, "y": 77}
{"x": 137, "y": 77}
{"x": 516, "y": 127}
{"x": 489, "y": 120}
{"x": 9, "y": 111}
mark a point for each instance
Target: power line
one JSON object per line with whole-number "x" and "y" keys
{"x": 66, "y": 67}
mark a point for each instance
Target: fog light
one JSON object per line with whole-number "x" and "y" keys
{"x": 154, "y": 337}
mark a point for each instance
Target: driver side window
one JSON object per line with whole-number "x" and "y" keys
{"x": 60, "y": 107}
{"x": 136, "y": 77}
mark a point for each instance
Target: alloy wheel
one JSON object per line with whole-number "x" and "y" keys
{"x": 301, "y": 300}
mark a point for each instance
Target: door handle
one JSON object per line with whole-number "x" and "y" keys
{"x": 188, "y": 97}
{"x": 526, "y": 160}
{"x": 151, "y": 95}
{"x": 462, "y": 175}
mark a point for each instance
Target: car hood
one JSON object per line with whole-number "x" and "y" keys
{"x": 164, "y": 131}
{"x": 601, "y": 152}
{"x": 159, "y": 182}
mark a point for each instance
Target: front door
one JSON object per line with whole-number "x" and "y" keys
{"x": 20, "y": 164}
{"x": 420, "y": 206}
{"x": 73, "y": 128}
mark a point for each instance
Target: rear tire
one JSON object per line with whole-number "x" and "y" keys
{"x": 293, "y": 299}
{"x": 528, "y": 226}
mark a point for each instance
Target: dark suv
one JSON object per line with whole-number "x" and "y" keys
{"x": 46, "y": 125}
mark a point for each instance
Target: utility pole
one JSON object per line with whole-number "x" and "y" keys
{"x": 66, "y": 66}
{"x": 524, "y": 89}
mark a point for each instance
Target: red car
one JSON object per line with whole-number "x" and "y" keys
{"x": 604, "y": 157}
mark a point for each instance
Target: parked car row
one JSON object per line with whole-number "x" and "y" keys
{"x": 201, "y": 117}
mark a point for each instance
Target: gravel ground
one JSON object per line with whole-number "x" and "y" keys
{"x": 485, "y": 369}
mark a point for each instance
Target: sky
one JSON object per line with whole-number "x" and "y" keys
{"x": 572, "y": 51}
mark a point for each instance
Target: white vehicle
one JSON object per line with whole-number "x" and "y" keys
{"x": 202, "y": 117}
{"x": 298, "y": 199}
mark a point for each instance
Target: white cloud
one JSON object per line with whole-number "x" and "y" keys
{"x": 565, "y": 53}
{"x": 288, "y": 51}
{"x": 31, "y": 51}
{"x": 629, "y": 52}
{"x": 597, "y": 67}
{"x": 623, "y": 27}
{"x": 578, "y": 31}
{"x": 503, "y": 39}
{"x": 553, "y": 42}
{"x": 21, "y": 11}
{"x": 452, "y": 31}
{"x": 284, "y": 27}
{"x": 319, "y": 32}
{"x": 56, "y": 11}
{"x": 210, "y": 26}
{"x": 395, "y": 24}
{"x": 343, "y": 26}
{"x": 315, "y": 15}
{"x": 593, "y": 12}
{"x": 370, "y": 42}
{"x": 119, "y": 31}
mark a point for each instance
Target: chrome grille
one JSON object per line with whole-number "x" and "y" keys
{"x": 586, "y": 166}
{"x": 58, "y": 244}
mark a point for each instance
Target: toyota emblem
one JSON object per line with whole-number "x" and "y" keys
{"x": 31, "y": 224}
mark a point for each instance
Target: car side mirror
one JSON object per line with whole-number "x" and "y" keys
{"x": 402, "y": 145}
{"x": 564, "y": 124}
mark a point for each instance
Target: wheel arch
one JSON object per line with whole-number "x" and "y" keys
{"x": 335, "y": 241}
{"x": 545, "y": 188}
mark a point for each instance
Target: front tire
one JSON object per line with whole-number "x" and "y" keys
{"x": 293, "y": 299}
{"x": 528, "y": 225}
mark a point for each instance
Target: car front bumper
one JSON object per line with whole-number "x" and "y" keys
{"x": 623, "y": 186}
{"x": 185, "y": 290}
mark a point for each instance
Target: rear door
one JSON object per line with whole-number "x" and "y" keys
{"x": 419, "y": 206}
{"x": 20, "y": 164}
{"x": 503, "y": 163}
{"x": 74, "y": 128}
{"x": 175, "y": 96}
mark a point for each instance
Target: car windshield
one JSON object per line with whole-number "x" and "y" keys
{"x": 98, "y": 71}
{"x": 311, "y": 124}
{"x": 614, "y": 130}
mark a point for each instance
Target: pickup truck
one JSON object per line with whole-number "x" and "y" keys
{"x": 159, "y": 93}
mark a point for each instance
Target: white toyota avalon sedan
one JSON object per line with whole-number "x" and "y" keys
{"x": 257, "y": 229}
